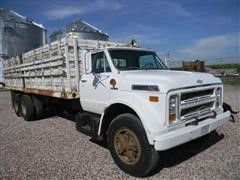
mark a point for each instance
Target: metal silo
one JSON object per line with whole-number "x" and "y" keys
{"x": 18, "y": 34}
{"x": 82, "y": 29}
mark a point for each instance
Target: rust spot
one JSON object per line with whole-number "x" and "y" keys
{"x": 50, "y": 93}
{"x": 39, "y": 91}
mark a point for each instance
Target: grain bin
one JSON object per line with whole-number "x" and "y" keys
{"x": 18, "y": 34}
{"x": 81, "y": 29}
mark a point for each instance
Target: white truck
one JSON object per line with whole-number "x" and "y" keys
{"x": 121, "y": 93}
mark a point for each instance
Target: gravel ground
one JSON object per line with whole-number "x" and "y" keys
{"x": 52, "y": 149}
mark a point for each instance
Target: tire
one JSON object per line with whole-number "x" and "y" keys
{"x": 16, "y": 103}
{"x": 137, "y": 158}
{"x": 27, "y": 108}
{"x": 38, "y": 107}
{"x": 39, "y": 111}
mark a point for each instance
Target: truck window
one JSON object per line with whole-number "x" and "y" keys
{"x": 100, "y": 63}
{"x": 127, "y": 59}
{"x": 147, "y": 62}
{"x": 120, "y": 63}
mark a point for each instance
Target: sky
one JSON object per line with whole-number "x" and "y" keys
{"x": 188, "y": 29}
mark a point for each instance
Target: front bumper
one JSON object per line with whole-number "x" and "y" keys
{"x": 188, "y": 133}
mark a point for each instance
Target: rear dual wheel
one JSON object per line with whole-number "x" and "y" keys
{"x": 27, "y": 108}
{"x": 129, "y": 146}
{"x": 23, "y": 106}
{"x": 16, "y": 103}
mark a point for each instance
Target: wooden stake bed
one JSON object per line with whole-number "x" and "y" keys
{"x": 52, "y": 70}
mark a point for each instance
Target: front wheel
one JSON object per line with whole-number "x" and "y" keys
{"x": 129, "y": 147}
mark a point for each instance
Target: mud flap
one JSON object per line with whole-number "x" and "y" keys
{"x": 227, "y": 107}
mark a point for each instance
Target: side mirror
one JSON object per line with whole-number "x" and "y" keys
{"x": 88, "y": 63}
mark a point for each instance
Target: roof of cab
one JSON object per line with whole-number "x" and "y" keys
{"x": 129, "y": 48}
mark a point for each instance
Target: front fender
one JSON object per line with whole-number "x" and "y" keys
{"x": 151, "y": 114}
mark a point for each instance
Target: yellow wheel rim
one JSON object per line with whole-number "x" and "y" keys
{"x": 127, "y": 146}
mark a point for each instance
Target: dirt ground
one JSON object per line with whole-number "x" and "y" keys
{"x": 51, "y": 148}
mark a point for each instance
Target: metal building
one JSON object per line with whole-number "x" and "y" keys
{"x": 18, "y": 34}
{"x": 81, "y": 29}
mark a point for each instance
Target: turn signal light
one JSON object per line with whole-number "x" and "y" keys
{"x": 172, "y": 117}
{"x": 153, "y": 99}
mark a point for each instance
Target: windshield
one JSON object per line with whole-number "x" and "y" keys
{"x": 136, "y": 60}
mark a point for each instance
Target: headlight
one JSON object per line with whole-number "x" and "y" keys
{"x": 173, "y": 109}
{"x": 218, "y": 93}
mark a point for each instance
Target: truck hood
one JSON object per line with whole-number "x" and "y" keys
{"x": 165, "y": 79}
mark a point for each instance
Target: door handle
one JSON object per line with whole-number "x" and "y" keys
{"x": 83, "y": 81}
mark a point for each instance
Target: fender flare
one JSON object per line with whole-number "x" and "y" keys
{"x": 136, "y": 108}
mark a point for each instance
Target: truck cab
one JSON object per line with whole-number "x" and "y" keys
{"x": 145, "y": 108}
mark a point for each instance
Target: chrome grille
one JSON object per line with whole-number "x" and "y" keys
{"x": 192, "y": 95}
{"x": 197, "y": 104}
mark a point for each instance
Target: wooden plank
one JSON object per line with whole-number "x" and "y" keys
{"x": 67, "y": 65}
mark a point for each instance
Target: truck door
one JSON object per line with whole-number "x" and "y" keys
{"x": 94, "y": 86}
